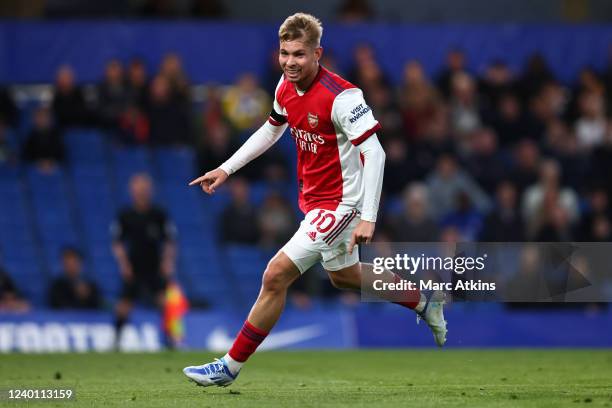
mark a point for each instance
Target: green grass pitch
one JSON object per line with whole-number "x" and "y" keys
{"x": 376, "y": 378}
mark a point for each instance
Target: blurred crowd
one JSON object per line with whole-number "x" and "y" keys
{"x": 496, "y": 156}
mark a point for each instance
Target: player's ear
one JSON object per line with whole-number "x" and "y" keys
{"x": 318, "y": 53}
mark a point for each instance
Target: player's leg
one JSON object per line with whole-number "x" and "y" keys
{"x": 347, "y": 273}
{"x": 280, "y": 272}
{"x": 278, "y": 276}
{"x": 357, "y": 275}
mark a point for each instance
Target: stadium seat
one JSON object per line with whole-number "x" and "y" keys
{"x": 86, "y": 146}
{"x": 174, "y": 163}
{"x": 245, "y": 265}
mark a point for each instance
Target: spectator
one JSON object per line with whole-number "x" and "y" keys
{"x": 7, "y": 151}
{"x": 415, "y": 223}
{"x": 509, "y": 120}
{"x": 237, "y": 224}
{"x": 399, "y": 168}
{"x": 215, "y": 145}
{"x": 68, "y": 104}
{"x": 172, "y": 70}
{"x": 366, "y": 72}
{"x": 276, "y": 220}
{"x": 245, "y": 104}
{"x": 274, "y": 71}
{"x": 418, "y": 100}
{"x": 169, "y": 116}
{"x": 562, "y": 145}
{"x": 588, "y": 83}
{"x": 596, "y": 217}
{"x": 446, "y": 182}
{"x": 137, "y": 83}
{"x": 485, "y": 162}
{"x": 44, "y": 145}
{"x": 497, "y": 81}
{"x": 10, "y": 300}
{"x": 525, "y": 169}
{"x": 548, "y": 104}
{"x": 553, "y": 223}
{"x": 9, "y": 115}
{"x": 597, "y": 229}
{"x": 134, "y": 126}
{"x": 72, "y": 290}
{"x": 144, "y": 246}
{"x": 354, "y": 11}
{"x": 504, "y": 223}
{"x": 215, "y": 149}
{"x": 466, "y": 219}
{"x": 536, "y": 74}
{"x": 600, "y": 163}
{"x": 113, "y": 95}
{"x": 591, "y": 125}
{"x": 455, "y": 64}
{"x": 435, "y": 142}
{"x": 464, "y": 109}
{"x": 548, "y": 203}
{"x": 382, "y": 101}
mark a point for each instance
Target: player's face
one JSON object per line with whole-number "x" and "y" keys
{"x": 299, "y": 61}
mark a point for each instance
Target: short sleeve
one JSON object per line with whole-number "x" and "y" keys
{"x": 278, "y": 115}
{"x": 352, "y": 115}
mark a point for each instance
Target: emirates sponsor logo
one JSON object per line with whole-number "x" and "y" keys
{"x": 313, "y": 120}
{"x": 307, "y": 141}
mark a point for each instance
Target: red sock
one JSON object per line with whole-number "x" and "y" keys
{"x": 411, "y": 298}
{"x": 247, "y": 341}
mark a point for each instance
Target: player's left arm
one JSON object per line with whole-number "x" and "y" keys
{"x": 354, "y": 117}
{"x": 373, "y": 171}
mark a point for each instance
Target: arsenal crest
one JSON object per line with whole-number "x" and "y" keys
{"x": 313, "y": 120}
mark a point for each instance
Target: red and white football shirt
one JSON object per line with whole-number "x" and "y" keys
{"x": 327, "y": 122}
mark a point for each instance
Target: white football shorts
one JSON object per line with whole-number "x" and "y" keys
{"x": 324, "y": 236}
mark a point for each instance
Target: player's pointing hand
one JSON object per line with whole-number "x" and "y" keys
{"x": 211, "y": 180}
{"x": 363, "y": 233}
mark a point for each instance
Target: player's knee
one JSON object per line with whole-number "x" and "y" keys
{"x": 275, "y": 277}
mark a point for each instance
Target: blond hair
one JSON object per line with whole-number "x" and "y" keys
{"x": 301, "y": 26}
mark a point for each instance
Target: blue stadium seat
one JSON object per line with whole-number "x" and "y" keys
{"x": 53, "y": 213}
{"x": 175, "y": 163}
{"x": 30, "y": 280}
{"x": 246, "y": 265}
{"x": 86, "y": 146}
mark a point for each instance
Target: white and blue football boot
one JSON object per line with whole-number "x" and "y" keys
{"x": 215, "y": 373}
{"x": 433, "y": 315}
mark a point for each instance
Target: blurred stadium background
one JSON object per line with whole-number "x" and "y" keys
{"x": 496, "y": 123}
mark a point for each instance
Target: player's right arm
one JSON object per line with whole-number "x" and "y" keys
{"x": 255, "y": 146}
